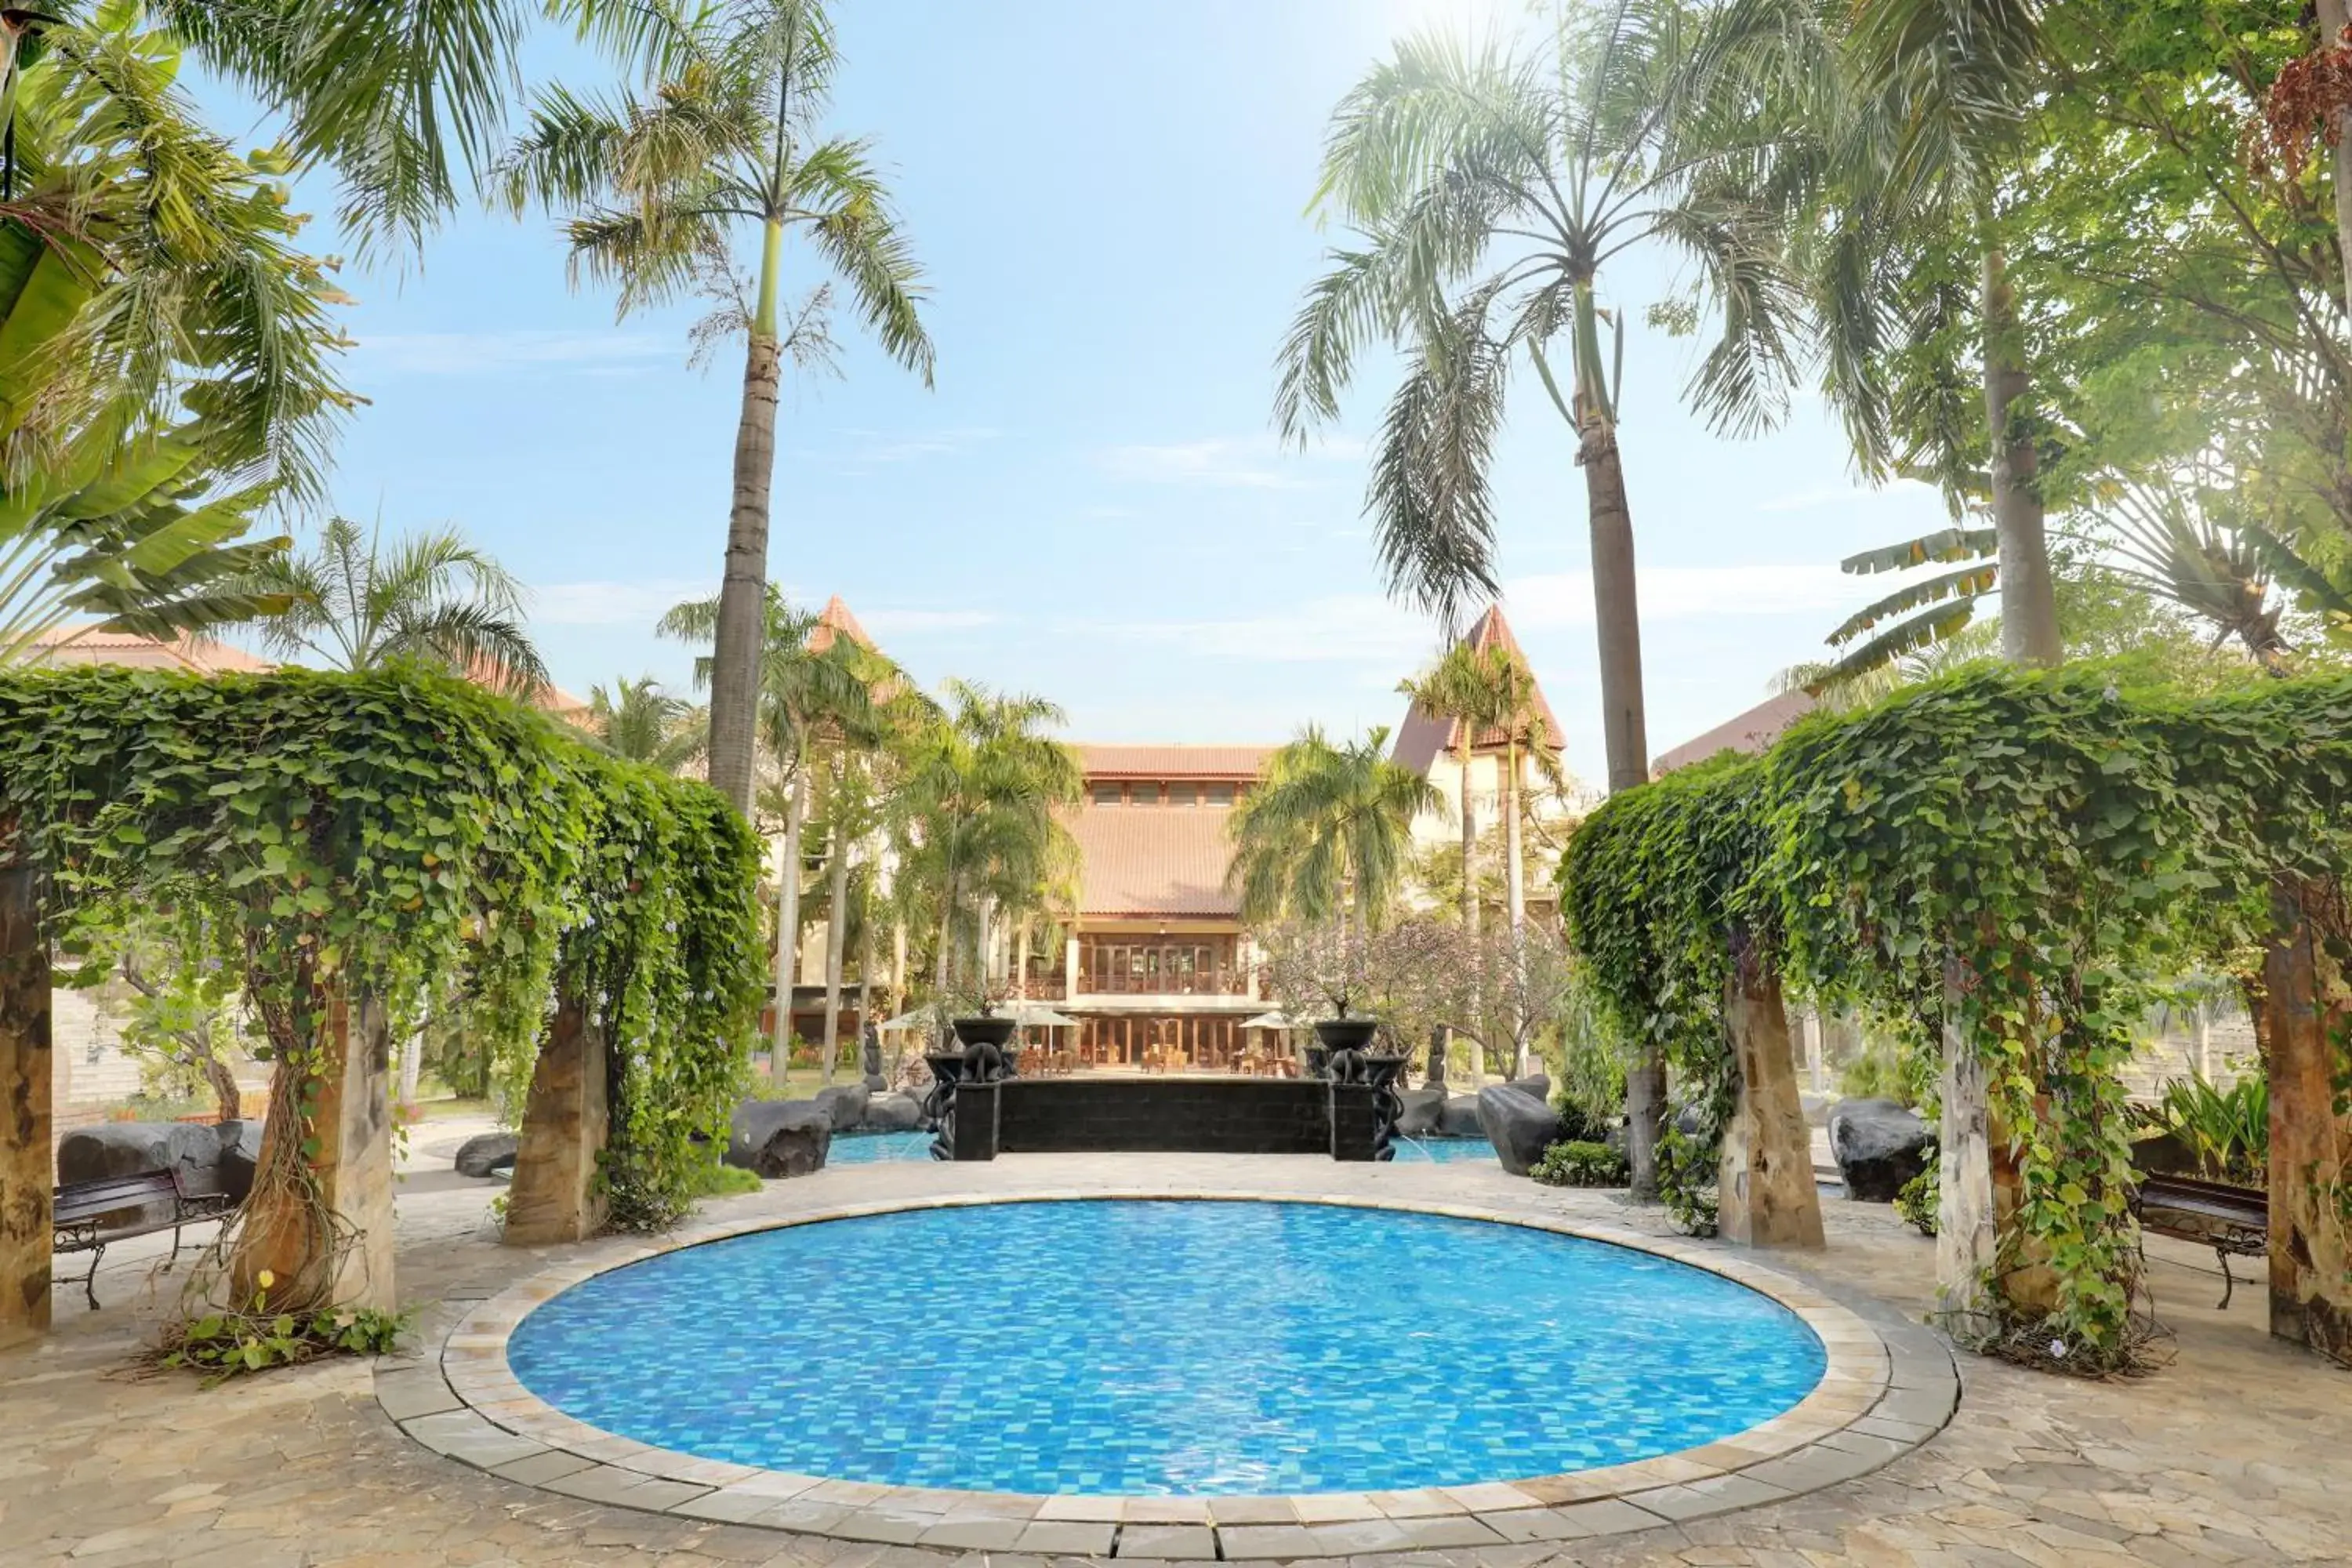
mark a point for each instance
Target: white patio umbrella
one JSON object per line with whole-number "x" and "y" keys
{"x": 1269, "y": 1021}
{"x": 921, "y": 1018}
{"x": 1036, "y": 1015}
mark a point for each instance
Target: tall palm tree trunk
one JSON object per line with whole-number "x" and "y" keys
{"x": 1469, "y": 836}
{"x": 1515, "y": 897}
{"x": 899, "y": 964}
{"x": 1515, "y": 874}
{"x": 788, "y": 916}
{"x": 940, "y": 955}
{"x": 2029, "y": 604}
{"x": 864, "y": 979}
{"x": 1625, "y": 730}
{"x": 836, "y": 939}
{"x": 1471, "y": 913}
{"x": 742, "y": 591}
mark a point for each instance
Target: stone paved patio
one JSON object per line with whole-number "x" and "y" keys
{"x": 2239, "y": 1452}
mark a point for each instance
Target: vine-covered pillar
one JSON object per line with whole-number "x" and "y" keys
{"x": 320, "y": 1217}
{"x": 1766, "y": 1195}
{"x": 555, "y": 1196}
{"x": 1966, "y": 1238}
{"x": 24, "y": 1067}
{"x": 2311, "y": 1135}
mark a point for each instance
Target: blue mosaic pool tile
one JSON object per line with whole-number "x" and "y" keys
{"x": 1156, "y": 1348}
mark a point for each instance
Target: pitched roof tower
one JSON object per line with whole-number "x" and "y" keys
{"x": 1423, "y": 736}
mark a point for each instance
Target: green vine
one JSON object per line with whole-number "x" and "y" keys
{"x": 1653, "y": 885}
{"x": 398, "y": 838}
{"x": 2018, "y": 859}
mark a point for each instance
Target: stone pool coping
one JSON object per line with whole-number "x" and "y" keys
{"x": 1881, "y": 1394}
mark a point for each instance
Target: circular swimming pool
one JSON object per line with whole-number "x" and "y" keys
{"x": 1157, "y": 1347}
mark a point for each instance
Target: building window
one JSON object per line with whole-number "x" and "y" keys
{"x": 1183, "y": 795}
{"x": 1221, "y": 794}
{"x": 1106, "y": 794}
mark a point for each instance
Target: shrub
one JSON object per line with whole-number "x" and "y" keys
{"x": 1917, "y": 1201}
{"x": 1573, "y": 1162}
{"x": 2226, "y": 1131}
{"x": 720, "y": 1180}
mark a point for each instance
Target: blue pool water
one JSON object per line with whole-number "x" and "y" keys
{"x": 871, "y": 1148}
{"x": 1166, "y": 1347}
{"x": 1443, "y": 1150}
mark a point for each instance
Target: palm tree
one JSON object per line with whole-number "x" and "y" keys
{"x": 407, "y": 103}
{"x": 861, "y": 762}
{"x": 1326, "y": 831}
{"x": 2187, "y": 539}
{"x": 353, "y": 603}
{"x": 1487, "y": 691}
{"x": 1935, "y": 106}
{"x": 1488, "y": 191}
{"x": 639, "y": 720}
{"x": 811, "y": 687}
{"x": 149, "y": 279}
{"x": 978, "y": 817}
{"x": 657, "y": 184}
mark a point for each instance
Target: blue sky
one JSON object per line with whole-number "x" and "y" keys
{"x": 1110, "y": 200}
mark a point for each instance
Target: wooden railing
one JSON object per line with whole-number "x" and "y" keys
{"x": 1040, "y": 988}
{"x": 1196, "y": 983}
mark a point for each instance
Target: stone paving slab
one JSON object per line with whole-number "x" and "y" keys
{"x": 1819, "y": 1433}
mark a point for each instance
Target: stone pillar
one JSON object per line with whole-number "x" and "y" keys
{"x": 2311, "y": 1294}
{"x": 555, "y": 1196}
{"x": 1965, "y": 1234}
{"x": 26, "y": 1174}
{"x": 1070, "y": 967}
{"x": 350, "y": 1157}
{"x": 1766, "y": 1194}
{"x": 1816, "y": 1070}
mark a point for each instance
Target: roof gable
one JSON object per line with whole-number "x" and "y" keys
{"x": 1424, "y": 735}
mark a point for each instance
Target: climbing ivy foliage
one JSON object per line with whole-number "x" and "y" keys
{"x": 1654, "y": 886}
{"x": 2022, "y": 858}
{"x": 403, "y": 834}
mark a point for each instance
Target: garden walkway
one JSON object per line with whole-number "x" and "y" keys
{"x": 2240, "y": 1451}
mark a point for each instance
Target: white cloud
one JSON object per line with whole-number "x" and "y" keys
{"x": 873, "y": 448}
{"x": 1248, "y": 462}
{"x": 918, "y": 622}
{"x": 1848, "y": 495}
{"x": 489, "y": 353}
{"x": 633, "y": 603}
{"x": 1682, "y": 592}
{"x": 1338, "y": 629}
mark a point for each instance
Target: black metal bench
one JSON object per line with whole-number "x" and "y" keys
{"x": 83, "y": 1210}
{"x": 2231, "y": 1220}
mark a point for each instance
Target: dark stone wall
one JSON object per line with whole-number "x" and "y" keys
{"x": 1170, "y": 1115}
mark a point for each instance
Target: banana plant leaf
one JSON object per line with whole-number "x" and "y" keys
{"x": 1945, "y": 546}
{"x": 1924, "y": 629}
{"x": 1966, "y": 584}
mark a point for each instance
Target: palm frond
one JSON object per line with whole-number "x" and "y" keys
{"x": 852, "y": 222}
{"x": 1431, "y": 507}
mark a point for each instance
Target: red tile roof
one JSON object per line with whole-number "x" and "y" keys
{"x": 1424, "y": 735}
{"x": 129, "y": 651}
{"x": 1751, "y": 732}
{"x": 1154, "y": 860}
{"x": 1115, "y": 762}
